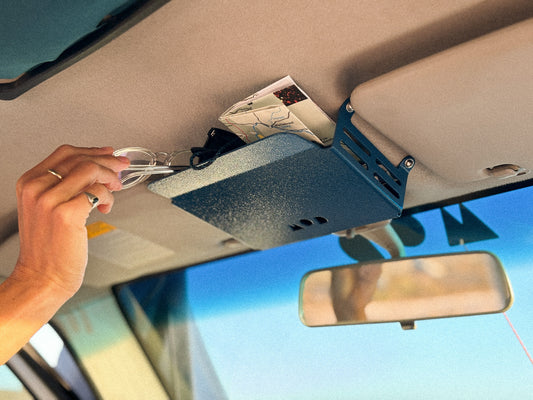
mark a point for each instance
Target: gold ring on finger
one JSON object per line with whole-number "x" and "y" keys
{"x": 56, "y": 174}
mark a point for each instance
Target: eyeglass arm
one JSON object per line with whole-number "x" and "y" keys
{"x": 157, "y": 169}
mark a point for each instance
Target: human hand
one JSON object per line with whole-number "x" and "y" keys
{"x": 53, "y": 211}
{"x": 352, "y": 289}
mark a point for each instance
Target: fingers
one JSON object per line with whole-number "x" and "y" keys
{"x": 103, "y": 198}
{"x": 115, "y": 164}
{"x": 81, "y": 205}
{"x": 66, "y": 158}
{"x": 84, "y": 175}
{"x": 63, "y": 153}
{"x": 69, "y": 172}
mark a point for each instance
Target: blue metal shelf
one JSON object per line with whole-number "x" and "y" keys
{"x": 285, "y": 188}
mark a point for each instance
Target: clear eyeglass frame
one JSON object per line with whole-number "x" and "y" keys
{"x": 145, "y": 163}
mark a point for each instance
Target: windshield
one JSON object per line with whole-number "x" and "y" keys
{"x": 230, "y": 329}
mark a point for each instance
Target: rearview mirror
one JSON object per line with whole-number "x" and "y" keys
{"x": 405, "y": 290}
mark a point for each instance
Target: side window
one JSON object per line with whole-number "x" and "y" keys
{"x": 11, "y": 388}
{"x": 47, "y": 368}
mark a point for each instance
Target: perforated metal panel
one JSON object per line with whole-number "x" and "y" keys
{"x": 284, "y": 188}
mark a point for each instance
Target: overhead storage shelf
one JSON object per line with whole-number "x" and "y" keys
{"x": 284, "y": 188}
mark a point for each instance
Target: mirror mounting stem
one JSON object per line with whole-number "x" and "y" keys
{"x": 408, "y": 325}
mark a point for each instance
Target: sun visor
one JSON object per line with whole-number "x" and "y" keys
{"x": 464, "y": 113}
{"x": 41, "y": 38}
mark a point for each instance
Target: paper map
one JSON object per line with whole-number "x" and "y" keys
{"x": 280, "y": 107}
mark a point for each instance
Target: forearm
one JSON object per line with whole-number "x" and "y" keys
{"x": 54, "y": 200}
{"x": 25, "y": 306}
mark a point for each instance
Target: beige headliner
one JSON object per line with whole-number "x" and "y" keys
{"x": 163, "y": 84}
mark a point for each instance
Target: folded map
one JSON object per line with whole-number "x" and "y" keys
{"x": 280, "y": 107}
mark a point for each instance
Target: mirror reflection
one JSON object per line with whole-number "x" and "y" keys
{"x": 407, "y": 289}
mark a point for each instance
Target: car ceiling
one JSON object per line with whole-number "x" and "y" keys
{"x": 164, "y": 82}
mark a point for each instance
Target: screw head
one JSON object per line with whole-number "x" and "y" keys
{"x": 409, "y": 163}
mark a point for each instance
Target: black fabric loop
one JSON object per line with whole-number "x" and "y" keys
{"x": 218, "y": 143}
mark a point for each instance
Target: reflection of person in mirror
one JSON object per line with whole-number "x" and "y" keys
{"x": 352, "y": 289}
